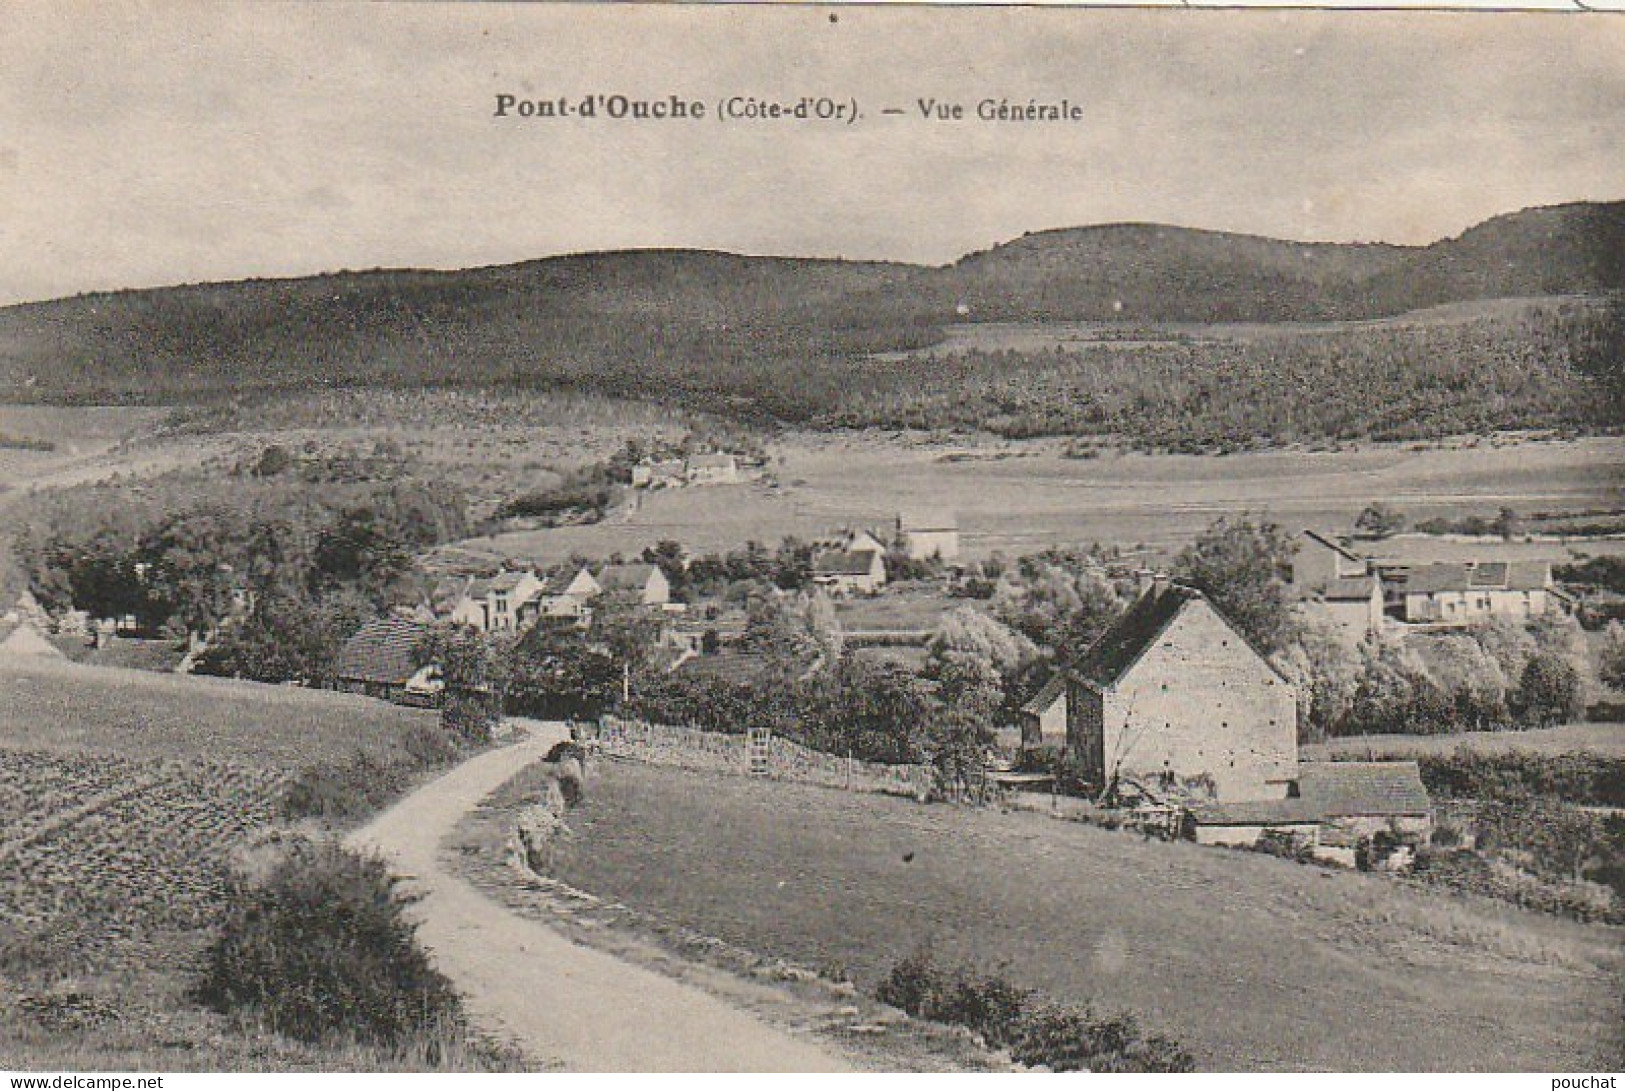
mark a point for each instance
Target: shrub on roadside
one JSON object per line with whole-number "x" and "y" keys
{"x": 1037, "y": 1031}
{"x": 321, "y": 951}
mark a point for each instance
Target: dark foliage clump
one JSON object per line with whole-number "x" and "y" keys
{"x": 1038, "y": 1032}
{"x": 321, "y": 951}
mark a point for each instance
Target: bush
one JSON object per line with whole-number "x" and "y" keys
{"x": 1037, "y": 1031}
{"x": 321, "y": 951}
{"x": 368, "y": 781}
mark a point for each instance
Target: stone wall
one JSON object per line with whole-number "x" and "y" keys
{"x": 690, "y": 748}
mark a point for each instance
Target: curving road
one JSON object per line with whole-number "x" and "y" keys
{"x": 561, "y": 1002}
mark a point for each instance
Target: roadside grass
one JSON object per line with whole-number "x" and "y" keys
{"x": 1251, "y": 962}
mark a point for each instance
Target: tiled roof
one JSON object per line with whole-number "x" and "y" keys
{"x": 842, "y": 562}
{"x": 738, "y": 668}
{"x": 1261, "y": 812}
{"x": 1047, "y": 695}
{"x": 381, "y": 652}
{"x": 1121, "y": 646}
{"x": 1430, "y": 579}
{"x": 1342, "y": 789}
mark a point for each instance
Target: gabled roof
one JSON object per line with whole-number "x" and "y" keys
{"x": 844, "y": 562}
{"x": 27, "y": 640}
{"x": 1350, "y": 589}
{"x": 1049, "y": 693}
{"x": 382, "y": 652}
{"x": 507, "y": 581}
{"x": 1335, "y": 546}
{"x": 626, "y": 577}
{"x": 1346, "y": 789}
{"x": 1117, "y": 650}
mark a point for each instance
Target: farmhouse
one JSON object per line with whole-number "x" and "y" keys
{"x": 1459, "y": 594}
{"x": 929, "y": 534}
{"x": 849, "y": 571}
{"x": 1043, "y": 716}
{"x": 645, "y": 583}
{"x": 1173, "y": 694}
{"x": 378, "y": 661}
{"x": 1351, "y": 606}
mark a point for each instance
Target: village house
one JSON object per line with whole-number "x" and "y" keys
{"x": 644, "y": 583}
{"x": 1335, "y": 587}
{"x": 378, "y": 661}
{"x": 1460, "y": 594}
{"x": 711, "y": 469}
{"x": 1173, "y": 695}
{"x": 583, "y": 585}
{"x": 662, "y": 474}
{"x": 505, "y": 602}
{"x": 928, "y": 535}
{"x": 849, "y": 571}
{"x": 1321, "y": 561}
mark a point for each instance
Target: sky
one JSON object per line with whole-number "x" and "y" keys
{"x": 144, "y": 144}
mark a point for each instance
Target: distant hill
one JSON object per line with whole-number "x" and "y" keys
{"x": 689, "y": 324}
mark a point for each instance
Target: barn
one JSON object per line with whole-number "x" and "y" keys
{"x": 1173, "y": 694}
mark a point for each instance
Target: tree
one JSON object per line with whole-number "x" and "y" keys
{"x": 286, "y": 638}
{"x": 475, "y": 669}
{"x": 1240, "y": 566}
{"x": 1057, "y": 604}
{"x": 1379, "y": 521}
{"x": 1611, "y": 656}
{"x": 1326, "y": 672}
{"x": 1549, "y": 691}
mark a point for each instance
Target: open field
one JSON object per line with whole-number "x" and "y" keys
{"x": 1608, "y": 739}
{"x": 1253, "y": 962}
{"x": 1019, "y": 497}
{"x": 65, "y": 707}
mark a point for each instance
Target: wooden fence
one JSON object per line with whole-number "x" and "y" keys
{"x": 764, "y": 755}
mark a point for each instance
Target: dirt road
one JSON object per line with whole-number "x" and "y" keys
{"x": 561, "y": 1002}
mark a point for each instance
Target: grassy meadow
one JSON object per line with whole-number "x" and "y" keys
{"x": 1252, "y": 962}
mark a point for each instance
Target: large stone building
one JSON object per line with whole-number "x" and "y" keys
{"x": 1173, "y": 694}
{"x": 927, "y": 535}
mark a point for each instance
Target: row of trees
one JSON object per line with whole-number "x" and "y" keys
{"x": 278, "y": 572}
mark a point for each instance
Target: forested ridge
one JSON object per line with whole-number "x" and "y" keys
{"x": 831, "y": 343}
